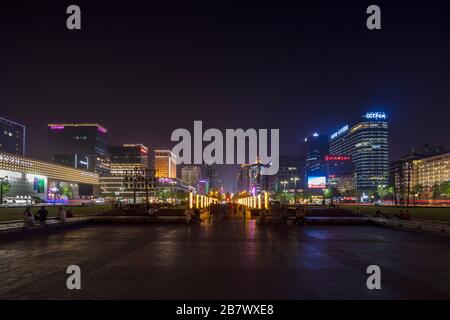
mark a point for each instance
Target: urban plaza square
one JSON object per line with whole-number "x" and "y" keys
{"x": 217, "y": 159}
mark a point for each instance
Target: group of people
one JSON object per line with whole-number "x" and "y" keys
{"x": 41, "y": 216}
{"x": 300, "y": 214}
{"x": 403, "y": 215}
{"x": 216, "y": 209}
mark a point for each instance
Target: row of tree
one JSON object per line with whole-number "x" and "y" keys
{"x": 387, "y": 193}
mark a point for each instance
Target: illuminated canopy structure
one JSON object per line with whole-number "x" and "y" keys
{"x": 34, "y": 178}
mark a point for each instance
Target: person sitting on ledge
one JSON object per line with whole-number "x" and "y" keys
{"x": 378, "y": 213}
{"x": 28, "y": 218}
{"x": 42, "y": 216}
{"x": 69, "y": 213}
{"x": 61, "y": 215}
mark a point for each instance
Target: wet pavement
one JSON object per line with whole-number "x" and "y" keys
{"x": 228, "y": 259}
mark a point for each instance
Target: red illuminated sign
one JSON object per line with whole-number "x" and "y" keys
{"x": 337, "y": 158}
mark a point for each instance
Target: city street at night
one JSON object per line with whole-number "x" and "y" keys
{"x": 229, "y": 259}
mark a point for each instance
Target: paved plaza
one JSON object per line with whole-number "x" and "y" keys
{"x": 228, "y": 259}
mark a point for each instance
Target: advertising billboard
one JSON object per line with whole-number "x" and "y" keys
{"x": 317, "y": 182}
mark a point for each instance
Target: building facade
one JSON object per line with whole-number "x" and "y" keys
{"x": 79, "y": 145}
{"x": 432, "y": 171}
{"x": 314, "y": 149}
{"x": 165, "y": 164}
{"x": 203, "y": 187}
{"x": 127, "y": 157}
{"x": 289, "y": 177}
{"x": 12, "y": 137}
{"x": 191, "y": 175}
{"x": 340, "y": 174}
{"x": 213, "y": 178}
{"x": 366, "y": 140}
{"x": 130, "y": 175}
{"x": 403, "y": 173}
{"x": 32, "y": 180}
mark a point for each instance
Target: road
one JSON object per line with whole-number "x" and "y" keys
{"x": 228, "y": 259}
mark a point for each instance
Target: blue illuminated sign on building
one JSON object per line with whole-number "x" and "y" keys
{"x": 339, "y": 132}
{"x": 375, "y": 115}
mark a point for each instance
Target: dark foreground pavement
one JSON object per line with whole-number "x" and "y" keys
{"x": 224, "y": 260}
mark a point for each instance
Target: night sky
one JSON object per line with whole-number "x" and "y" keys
{"x": 145, "y": 68}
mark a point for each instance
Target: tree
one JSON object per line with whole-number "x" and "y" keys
{"x": 384, "y": 192}
{"x": 327, "y": 193}
{"x": 436, "y": 191}
{"x": 418, "y": 189}
{"x": 306, "y": 195}
{"x": 389, "y": 193}
{"x": 6, "y": 186}
{"x": 445, "y": 189}
{"x": 330, "y": 193}
{"x": 66, "y": 191}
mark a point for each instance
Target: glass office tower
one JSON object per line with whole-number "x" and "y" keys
{"x": 366, "y": 141}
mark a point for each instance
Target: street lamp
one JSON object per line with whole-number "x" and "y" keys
{"x": 295, "y": 179}
{"x": 1, "y": 188}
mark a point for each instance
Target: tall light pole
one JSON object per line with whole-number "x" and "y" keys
{"x": 295, "y": 179}
{"x": 1, "y": 188}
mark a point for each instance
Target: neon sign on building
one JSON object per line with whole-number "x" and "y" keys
{"x": 337, "y": 158}
{"x": 375, "y": 115}
{"x": 339, "y": 132}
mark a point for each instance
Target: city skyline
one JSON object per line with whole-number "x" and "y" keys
{"x": 224, "y": 170}
{"x": 302, "y": 68}
{"x": 225, "y": 158}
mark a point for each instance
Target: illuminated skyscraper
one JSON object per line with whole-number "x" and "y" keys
{"x": 165, "y": 164}
{"x": 366, "y": 141}
{"x": 314, "y": 149}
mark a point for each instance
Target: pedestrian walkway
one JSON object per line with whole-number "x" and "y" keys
{"x": 225, "y": 260}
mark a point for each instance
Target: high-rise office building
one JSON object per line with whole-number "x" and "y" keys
{"x": 191, "y": 175}
{"x": 213, "y": 178}
{"x": 340, "y": 174}
{"x": 366, "y": 141}
{"x": 128, "y": 157}
{"x": 289, "y": 176}
{"x": 79, "y": 145}
{"x": 314, "y": 149}
{"x": 203, "y": 186}
{"x": 12, "y": 137}
{"x": 129, "y": 176}
{"x": 165, "y": 164}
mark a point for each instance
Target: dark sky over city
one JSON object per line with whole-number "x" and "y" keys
{"x": 145, "y": 68}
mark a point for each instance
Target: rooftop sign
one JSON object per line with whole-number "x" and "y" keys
{"x": 375, "y": 115}
{"x": 339, "y": 132}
